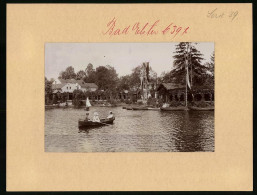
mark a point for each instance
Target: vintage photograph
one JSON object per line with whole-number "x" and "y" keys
{"x": 129, "y": 97}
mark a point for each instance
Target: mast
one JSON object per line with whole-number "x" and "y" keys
{"x": 186, "y": 69}
{"x": 186, "y": 92}
{"x": 191, "y": 65}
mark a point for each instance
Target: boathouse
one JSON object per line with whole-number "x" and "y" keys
{"x": 170, "y": 92}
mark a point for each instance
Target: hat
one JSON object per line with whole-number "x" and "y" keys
{"x": 110, "y": 112}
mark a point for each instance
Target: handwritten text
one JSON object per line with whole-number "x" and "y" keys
{"x": 147, "y": 29}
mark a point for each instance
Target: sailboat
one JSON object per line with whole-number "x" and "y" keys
{"x": 88, "y": 104}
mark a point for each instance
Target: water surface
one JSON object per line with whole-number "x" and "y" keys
{"x": 132, "y": 131}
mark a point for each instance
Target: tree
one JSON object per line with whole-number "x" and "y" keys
{"x": 80, "y": 75}
{"x": 112, "y": 74}
{"x": 78, "y": 96}
{"x": 64, "y": 96}
{"x": 211, "y": 64}
{"x": 135, "y": 76}
{"x": 165, "y": 77}
{"x": 48, "y": 91}
{"x": 106, "y": 77}
{"x": 90, "y": 74}
{"x": 48, "y": 87}
{"x": 124, "y": 83}
{"x": 198, "y": 70}
{"x": 210, "y": 72}
{"x": 69, "y": 73}
{"x": 89, "y": 69}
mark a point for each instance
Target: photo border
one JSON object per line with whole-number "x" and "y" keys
{"x": 3, "y": 79}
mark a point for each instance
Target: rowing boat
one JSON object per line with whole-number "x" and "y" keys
{"x": 201, "y": 109}
{"x": 173, "y": 108}
{"x": 91, "y": 124}
{"x": 153, "y": 108}
{"x": 139, "y": 108}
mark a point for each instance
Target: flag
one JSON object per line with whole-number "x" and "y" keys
{"x": 187, "y": 77}
{"x": 147, "y": 71}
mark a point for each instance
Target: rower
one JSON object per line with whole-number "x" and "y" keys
{"x": 110, "y": 116}
{"x": 87, "y": 117}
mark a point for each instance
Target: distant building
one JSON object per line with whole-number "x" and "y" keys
{"x": 169, "y": 92}
{"x": 69, "y": 85}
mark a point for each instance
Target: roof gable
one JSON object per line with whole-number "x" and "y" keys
{"x": 86, "y": 85}
{"x": 68, "y": 81}
{"x": 80, "y": 82}
{"x": 170, "y": 86}
{"x": 58, "y": 86}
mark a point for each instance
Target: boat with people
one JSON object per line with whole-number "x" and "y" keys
{"x": 90, "y": 124}
{"x": 96, "y": 121}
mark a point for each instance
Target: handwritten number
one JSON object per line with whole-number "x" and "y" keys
{"x": 233, "y": 15}
{"x": 219, "y": 14}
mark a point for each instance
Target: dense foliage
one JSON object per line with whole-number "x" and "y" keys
{"x": 197, "y": 70}
{"x": 109, "y": 83}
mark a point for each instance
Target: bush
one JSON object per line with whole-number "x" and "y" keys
{"x": 152, "y": 102}
{"x": 55, "y": 99}
{"x": 175, "y": 103}
{"x": 201, "y": 104}
{"x": 112, "y": 102}
{"x": 78, "y": 96}
{"x": 139, "y": 103}
{"x": 159, "y": 103}
{"x": 128, "y": 101}
{"x": 64, "y": 97}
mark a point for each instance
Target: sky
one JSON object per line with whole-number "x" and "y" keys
{"x": 122, "y": 56}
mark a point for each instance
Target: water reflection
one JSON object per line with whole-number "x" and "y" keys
{"x": 132, "y": 131}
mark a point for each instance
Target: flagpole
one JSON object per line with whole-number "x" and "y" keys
{"x": 191, "y": 66}
{"x": 186, "y": 69}
{"x": 186, "y": 90}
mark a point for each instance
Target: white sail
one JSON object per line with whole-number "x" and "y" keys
{"x": 88, "y": 103}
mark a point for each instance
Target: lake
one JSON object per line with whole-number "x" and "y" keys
{"x": 132, "y": 131}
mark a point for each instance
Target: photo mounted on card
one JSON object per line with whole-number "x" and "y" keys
{"x": 124, "y": 97}
{"x": 129, "y": 97}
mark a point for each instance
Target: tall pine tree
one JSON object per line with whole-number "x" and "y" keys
{"x": 195, "y": 67}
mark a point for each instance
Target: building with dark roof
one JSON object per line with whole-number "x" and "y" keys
{"x": 170, "y": 92}
{"x": 69, "y": 85}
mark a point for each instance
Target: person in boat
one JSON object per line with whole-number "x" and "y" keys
{"x": 96, "y": 117}
{"x": 110, "y": 116}
{"x": 87, "y": 117}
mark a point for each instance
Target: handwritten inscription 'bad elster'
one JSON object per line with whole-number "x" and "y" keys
{"x": 148, "y": 29}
